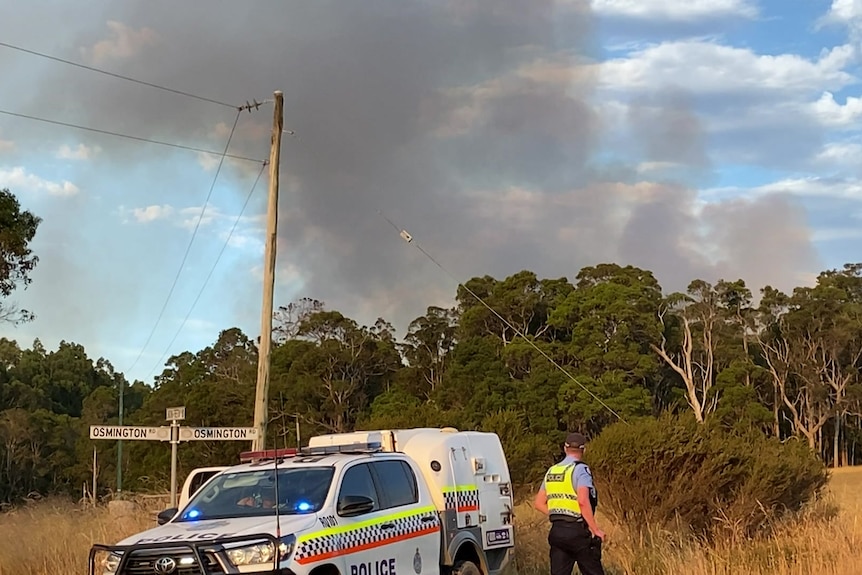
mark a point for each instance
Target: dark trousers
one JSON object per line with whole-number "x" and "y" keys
{"x": 572, "y": 542}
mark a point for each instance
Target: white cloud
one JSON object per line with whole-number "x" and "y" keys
{"x": 208, "y": 162}
{"x": 208, "y": 215}
{"x": 242, "y": 240}
{"x": 816, "y": 186}
{"x": 247, "y": 235}
{"x": 675, "y": 10}
{"x": 808, "y": 187}
{"x": 740, "y": 99}
{"x": 152, "y": 213}
{"x": 648, "y": 167}
{"x": 6, "y": 145}
{"x": 702, "y": 67}
{"x": 122, "y": 43}
{"x": 840, "y": 154}
{"x": 831, "y": 113}
{"x": 836, "y": 234}
{"x": 848, "y": 12}
{"x": 81, "y": 152}
{"x": 187, "y": 218}
{"x": 18, "y": 178}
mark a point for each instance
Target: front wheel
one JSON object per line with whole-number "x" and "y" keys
{"x": 466, "y": 568}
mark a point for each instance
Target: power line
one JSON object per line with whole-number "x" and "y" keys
{"x": 212, "y": 269}
{"x": 115, "y": 75}
{"x": 120, "y": 135}
{"x": 409, "y": 239}
{"x": 189, "y": 247}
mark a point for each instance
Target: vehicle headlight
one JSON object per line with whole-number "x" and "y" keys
{"x": 110, "y": 563}
{"x": 261, "y": 552}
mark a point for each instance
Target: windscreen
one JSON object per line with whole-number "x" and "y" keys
{"x": 253, "y": 494}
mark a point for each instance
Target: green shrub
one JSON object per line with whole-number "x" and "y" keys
{"x": 673, "y": 473}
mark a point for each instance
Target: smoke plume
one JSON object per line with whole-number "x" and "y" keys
{"x": 474, "y": 124}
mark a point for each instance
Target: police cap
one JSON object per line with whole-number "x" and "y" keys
{"x": 576, "y": 440}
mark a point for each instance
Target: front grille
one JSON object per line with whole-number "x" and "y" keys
{"x": 142, "y": 562}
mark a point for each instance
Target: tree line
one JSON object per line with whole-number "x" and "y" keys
{"x": 526, "y": 357}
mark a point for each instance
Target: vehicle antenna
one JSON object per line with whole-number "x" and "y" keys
{"x": 277, "y": 500}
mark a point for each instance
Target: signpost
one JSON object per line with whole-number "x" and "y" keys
{"x": 173, "y": 433}
{"x": 174, "y": 415}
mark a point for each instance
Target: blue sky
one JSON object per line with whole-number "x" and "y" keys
{"x": 706, "y": 138}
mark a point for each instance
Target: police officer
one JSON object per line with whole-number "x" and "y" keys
{"x": 575, "y": 537}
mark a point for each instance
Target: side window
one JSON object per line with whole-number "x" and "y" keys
{"x": 397, "y": 482}
{"x": 198, "y": 480}
{"x": 357, "y": 481}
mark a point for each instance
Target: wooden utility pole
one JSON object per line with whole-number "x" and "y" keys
{"x": 120, "y": 445}
{"x": 261, "y": 397}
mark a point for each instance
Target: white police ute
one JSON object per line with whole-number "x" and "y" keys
{"x": 395, "y": 502}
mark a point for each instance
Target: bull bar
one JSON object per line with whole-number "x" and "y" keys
{"x": 215, "y": 547}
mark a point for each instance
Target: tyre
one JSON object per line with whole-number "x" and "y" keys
{"x": 466, "y": 568}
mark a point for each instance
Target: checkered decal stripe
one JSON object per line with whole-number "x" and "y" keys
{"x": 326, "y": 544}
{"x": 318, "y": 545}
{"x": 462, "y": 499}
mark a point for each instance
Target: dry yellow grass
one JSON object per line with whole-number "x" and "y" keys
{"x": 54, "y": 538}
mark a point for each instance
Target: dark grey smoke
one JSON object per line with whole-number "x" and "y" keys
{"x": 668, "y": 132}
{"x": 763, "y": 241}
{"x": 470, "y": 122}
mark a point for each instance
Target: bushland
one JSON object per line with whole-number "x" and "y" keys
{"x": 673, "y": 473}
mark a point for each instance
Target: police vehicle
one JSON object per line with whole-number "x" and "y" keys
{"x": 393, "y": 502}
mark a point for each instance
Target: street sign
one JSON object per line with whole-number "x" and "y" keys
{"x": 130, "y": 432}
{"x": 175, "y": 434}
{"x": 218, "y": 433}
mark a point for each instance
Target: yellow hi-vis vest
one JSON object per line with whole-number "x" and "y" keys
{"x": 562, "y": 497}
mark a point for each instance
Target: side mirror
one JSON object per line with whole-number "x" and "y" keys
{"x": 166, "y": 515}
{"x": 351, "y": 505}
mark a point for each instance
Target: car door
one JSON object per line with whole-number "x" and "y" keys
{"x": 362, "y": 540}
{"x": 495, "y": 491}
{"x": 414, "y": 531}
